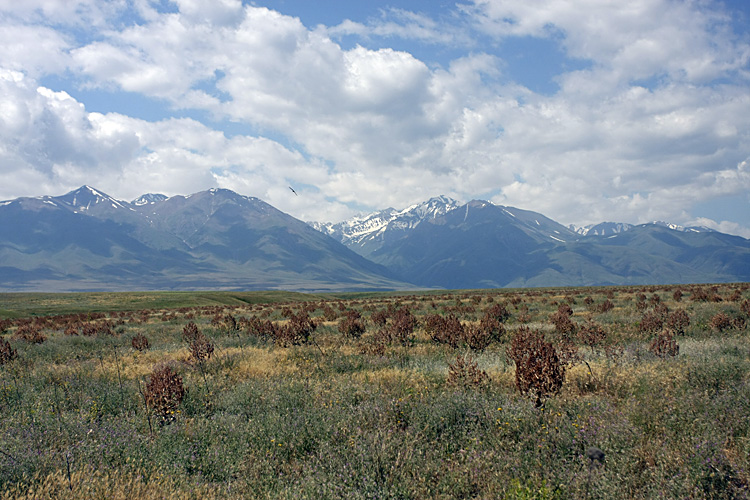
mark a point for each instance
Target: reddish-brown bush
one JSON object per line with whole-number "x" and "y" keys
{"x": 72, "y": 330}
{"x": 164, "y": 393}
{"x": 139, "y": 342}
{"x": 201, "y": 347}
{"x": 539, "y": 371}
{"x": 329, "y": 314}
{"x": 444, "y": 329}
{"x": 296, "y": 332}
{"x": 352, "y": 326}
{"x": 605, "y": 306}
{"x": 493, "y": 327}
{"x": 7, "y": 353}
{"x": 263, "y": 329}
{"x": 651, "y": 322}
{"x": 477, "y": 337}
{"x": 592, "y": 334}
{"x": 498, "y": 312}
{"x": 664, "y": 345}
{"x": 721, "y": 321}
{"x": 31, "y": 334}
{"x": 379, "y": 318}
{"x": 464, "y": 372}
{"x": 563, "y": 324}
{"x": 677, "y": 321}
{"x": 402, "y": 324}
{"x": 190, "y": 332}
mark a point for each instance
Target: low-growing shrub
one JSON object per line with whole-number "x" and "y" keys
{"x": 352, "y": 326}
{"x": 721, "y": 321}
{"x": 164, "y": 393}
{"x": 201, "y": 347}
{"x": 464, "y": 372}
{"x": 7, "y": 353}
{"x": 677, "y": 321}
{"x": 592, "y": 334}
{"x": 139, "y": 342}
{"x": 444, "y": 329}
{"x": 539, "y": 371}
{"x": 664, "y": 345}
{"x": 477, "y": 337}
{"x": 296, "y": 332}
{"x": 30, "y": 334}
{"x": 651, "y": 322}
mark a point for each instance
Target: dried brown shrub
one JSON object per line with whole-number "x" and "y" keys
{"x": 651, "y": 322}
{"x": 444, "y": 329}
{"x": 698, "y": 294}
{"x": 352, "y": 326}
{"x": 329, "y": 314}
{"x": 493, "y": 326}
{"x": 498, "y": 312}
{"x": 745, "y": 307}
{"x": 402, "y": 324}
{"x": 263, "y": 329}
{"x": 30, "y": 334}
{"x": 189, "y": 332}
{"x": 736, "y": 296}
{"x": 164, "y": 393}
{"x": 379, "y": 318}
{"x": 464, "y": 372}
{"x": 592, "y": 334}
{"x": 7, "y": 353}
{"x": 677, "y": 321}
{"x": 72, "y": 330}
{"x": 563, "y": 324}
{"x": 605, "y": 306}
{"x": 721, "y": 321}
{"x": 139, "y": 342}
{"x": 477, "y": 337}
{"x": 296, "y": 332}
{"x": 539, "y": 371}
{"x": 664, "y": 345}
{"x": 201, "y": 347}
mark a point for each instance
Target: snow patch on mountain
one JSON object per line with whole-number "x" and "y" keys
{"x": 371, "y": 229}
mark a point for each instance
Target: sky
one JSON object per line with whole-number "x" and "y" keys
{"x": 583, "y": 110}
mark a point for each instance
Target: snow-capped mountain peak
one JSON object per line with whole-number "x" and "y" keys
{"x": 368, "y": 231}
{"x": 86, "y": 197}
{"x": 148, "y": 199}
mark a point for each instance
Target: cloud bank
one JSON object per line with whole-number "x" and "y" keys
{"x": 650, "y": 114}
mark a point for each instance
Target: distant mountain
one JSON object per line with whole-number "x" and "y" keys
{"x": 366, "y": 234}
{"x": 610, "y": 228}
{"x": 215, "y": 239}
{"x": 477, "y": 245}
{"x": 218, "y": 239}
{"x": 481, "y": 245}
{"x": 601, "y": 229}
{"x": 148, "y": 199}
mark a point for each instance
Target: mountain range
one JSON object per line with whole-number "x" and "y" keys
{"x": 215, "y": 239}
{"x": 218, "y": 239}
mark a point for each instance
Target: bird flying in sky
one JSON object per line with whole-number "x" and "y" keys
{"x": 293, "y": 191}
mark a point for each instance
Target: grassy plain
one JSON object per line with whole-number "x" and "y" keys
{"x": 374, "y": 414}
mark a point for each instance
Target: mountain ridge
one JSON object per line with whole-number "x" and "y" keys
{"x": 219, "y": 239}
{"x": 214, "y": 239}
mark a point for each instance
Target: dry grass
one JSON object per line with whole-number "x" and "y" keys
{"x": 110, "y": 485}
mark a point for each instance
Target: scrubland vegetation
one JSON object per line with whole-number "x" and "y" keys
{"x": 470, "y": 394}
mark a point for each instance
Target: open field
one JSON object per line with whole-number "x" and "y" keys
{"x": 275, "y": 395}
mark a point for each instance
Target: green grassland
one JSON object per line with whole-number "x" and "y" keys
{"x": 283, "y": 400}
